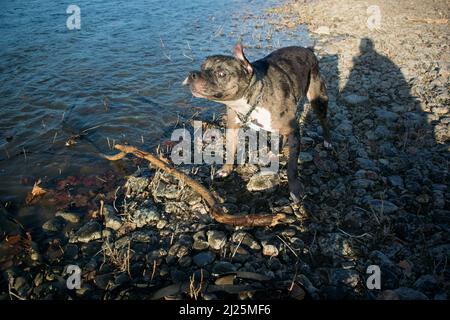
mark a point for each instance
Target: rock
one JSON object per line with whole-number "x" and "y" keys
{"x": 386, "y": 115}
{"x": 161, "y": 224}
{"x": 396, "y": 181}
{"x": 89, "y": 232}
{"x": 71, "y": 217}
{"x": 345, "y": 128}
{"x": 216, "y": 239}
{"x": 383, "y": 206}
{"x": 144, "y": 236}
{"x": 409, "y": 294}
{"x": 71, "y": 251}
{"x": 145, "y": 215}
{"x": 388, "y": 295}
{"x": 136, "y": 185}
{"x": 204, "y": 258}
{"x": 305, "y": 157}
{"x": 366, "y": 164}
{"x": 102, "y": 281}
{"x": 426, "y": 282}
{"x": 324, "y": 30}
{"x": 346, "y": 277}
{"x": 245, "y": 238}
{"x": 353, "y": 99}
{"x": 56, "y": 224}
{"x": 269, "y": 249}
{"x": 112, "y": 220}
{"x": 200, "y": 242}
{"x": 334, "y": 245}
{"x": 222, "y": 267}
{"x": 178, "y": 250}
{"x": 260, "y": 182}
{"x": 185, "y": 261}
{"x": 362, "y": 183}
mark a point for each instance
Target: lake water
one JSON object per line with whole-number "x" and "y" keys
{"x": 118, "y": 77}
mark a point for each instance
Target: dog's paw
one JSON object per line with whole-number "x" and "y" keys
{"x": 327, "y": 145}
{"x": 223, "y": 173}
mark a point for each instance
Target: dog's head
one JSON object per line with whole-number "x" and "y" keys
{"x": 222, "y": 78}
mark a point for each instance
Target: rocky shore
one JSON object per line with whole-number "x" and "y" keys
{"x": 381, "y": 197}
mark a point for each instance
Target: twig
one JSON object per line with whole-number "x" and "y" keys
{"x": 216, "y": 211}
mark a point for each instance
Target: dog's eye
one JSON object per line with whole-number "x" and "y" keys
{"x": 221, "y": 74}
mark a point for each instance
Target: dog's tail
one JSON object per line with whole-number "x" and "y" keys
{"x": 318, "y": 97}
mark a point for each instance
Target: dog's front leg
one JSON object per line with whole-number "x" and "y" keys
{"x": 232, "y": 136}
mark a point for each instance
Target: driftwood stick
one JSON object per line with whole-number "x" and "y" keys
{"x": 216, "y": 211}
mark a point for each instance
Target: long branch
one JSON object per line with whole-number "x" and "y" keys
{"x": 216, "y": 211}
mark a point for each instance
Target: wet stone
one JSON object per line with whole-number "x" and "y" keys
{"x": 70, "y": 217}
{"x": 56, "y": 224}
{"x": 204, "y": 258}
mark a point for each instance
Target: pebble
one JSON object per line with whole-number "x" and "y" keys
{"x": 70, "y": 217}
{"x": 56, "y": 224}
{"x": 216, "y": 239}
{"x": 269, "y": 250}
{"x": 260, "y": 182}
{"x": 382, "y": 206}
{"x": 204, "y": 258}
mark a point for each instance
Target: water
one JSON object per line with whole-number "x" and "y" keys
{"x": 118, "y": 77}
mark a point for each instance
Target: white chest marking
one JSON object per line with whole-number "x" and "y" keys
{"x": 260, "y": 118}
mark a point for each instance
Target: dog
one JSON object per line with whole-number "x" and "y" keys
{"x": 265, "y": 94}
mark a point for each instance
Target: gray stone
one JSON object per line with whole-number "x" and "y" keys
{"x": 354, "y": 99}
{"x": 383, "y": 206}
{"x": 366, "y": 164}
{"x": 245, "y": 238}
{"x": 396, "y": 181}
{"x": 426, "y": 282}
{"x": 410, "y": 294}
{"x": 269, "y": 249}
{"x": 204, "y": 258}
{"x": 260, "y": 182}
{"x": 112, "y": 220}
{"x": 221, "y": 267}
{"x": 346, "y": 277}
{"x": 362, "y": 183}
{"x": 200, "y": 242}
{"x": 89, "y": 232}
{"x": 56, "y": 224}
{"x": 216, "y": 239}
{"x": 71, "y": 217}
{"x": 305, "y": 157}
{"x": 386, "y": 115}
{"x": 145, "y": 215}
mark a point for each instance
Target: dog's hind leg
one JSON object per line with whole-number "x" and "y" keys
{"x": 317, "y": 96}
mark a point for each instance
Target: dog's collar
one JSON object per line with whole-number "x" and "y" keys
{"x": 244, "y": 118}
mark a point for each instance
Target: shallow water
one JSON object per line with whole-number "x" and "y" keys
{"x": 119, "y": 76}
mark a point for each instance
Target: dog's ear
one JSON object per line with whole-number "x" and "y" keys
{"x": 239, "y": 54}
